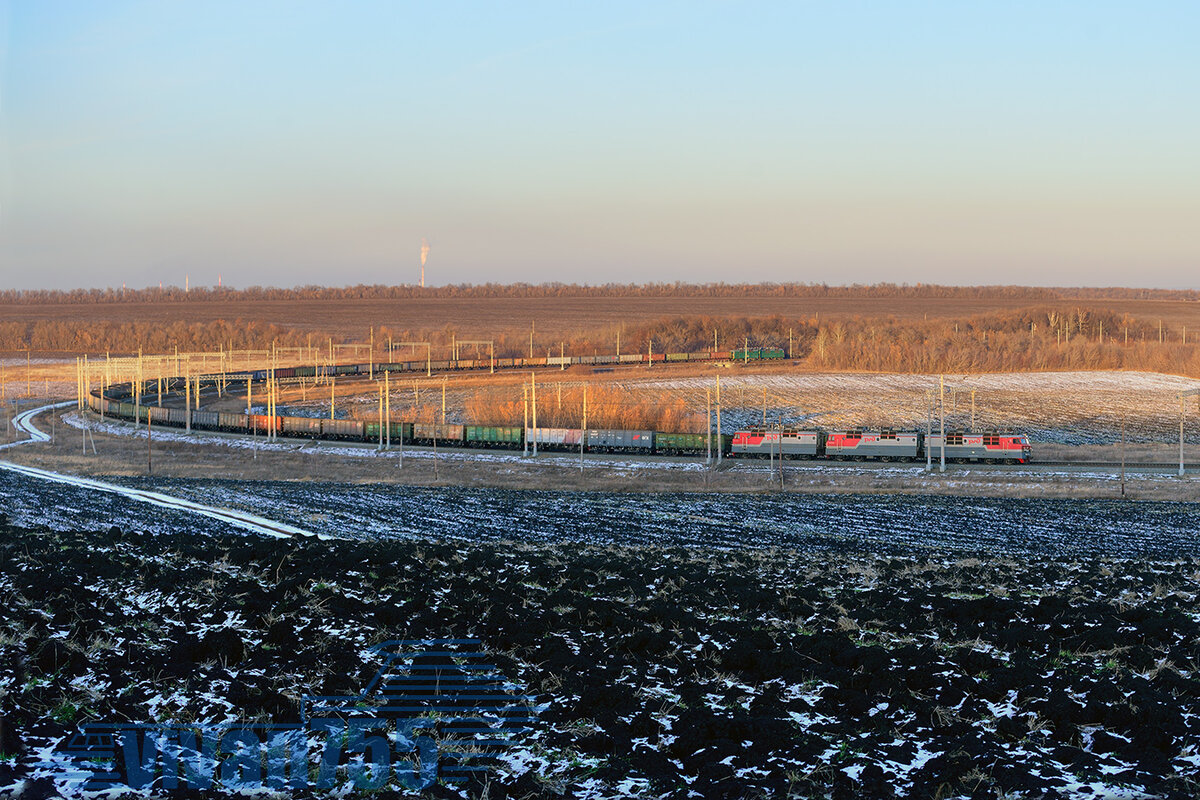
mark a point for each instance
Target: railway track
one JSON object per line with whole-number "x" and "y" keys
{"x": 241, "y": 519}
{"x": 728, "y": 463}
{"x": 1116, "y": 464}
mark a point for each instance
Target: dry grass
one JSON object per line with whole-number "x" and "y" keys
{"x": 559, "y": 318}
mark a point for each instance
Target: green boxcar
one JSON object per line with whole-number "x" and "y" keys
{"x": 689, "y": 442}
{"x": 755, "y": 353}
{"x": 400, "y": 431}
{"x": 494, "y": 436}
{"x": 677, "y": 356}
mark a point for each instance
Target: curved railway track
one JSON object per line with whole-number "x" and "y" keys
{"x": 241, "y": 519}
{"x": 250, "y": 425}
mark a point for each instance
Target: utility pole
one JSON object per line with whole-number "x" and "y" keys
{"x": 720, "y": 442}
{"x": 708, "y": 420}
{"x": 1182, "y": 412}
{"x": 525, "y": 419}
{"x": 149, "y": 440}
{"x": 781, "y": 474}
{"x": 942, "y": 411}
{"x": 533, "y": 403}
{"x": 531, "y": 327}
{"x": 929, "y": 431}
{"x": 1122, "y": 455}
{"x": 972, "y": 411}
{"x": 387, "y": 410}
{"x": 583, "y": 435}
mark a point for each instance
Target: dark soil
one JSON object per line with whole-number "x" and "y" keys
{"x": 668, "y": 671}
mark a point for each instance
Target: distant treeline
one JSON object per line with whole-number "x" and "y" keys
{"x": 175, "y": 294}
{"x": 130, "y": 337}
{"x": 1045, "y": 337}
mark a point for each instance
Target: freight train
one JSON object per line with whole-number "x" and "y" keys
{"x": 465, "y": 364}
{"x": 858, "y": 445}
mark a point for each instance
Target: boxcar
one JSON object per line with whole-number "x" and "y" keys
{"x": 399, "y": 431}
{"x": 755, "y": 353}
{"x": 884, "y": 445}
{"x": 206, "y": 420}
{"x": 342, "y": 429}
{"x": 630, "y": 358}
{"x": 766, "y": 442}
{"x": 493, "y": 436}
{"x": 231, "y": 422}
{"x": 686, "y": 443}
{"x": 302, "y": 426}
{"x": 554, "y": 438}
{"x": 619, "y": 440}
{"x": 158, "y": 415}
{"x": 426, "y": 433}
{"x": 261, "y": 423}
{"x": 989, "y": 447}
{"x": 677, "y": 356}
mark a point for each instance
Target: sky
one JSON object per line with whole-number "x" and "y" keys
{"x": 292, "y": 143}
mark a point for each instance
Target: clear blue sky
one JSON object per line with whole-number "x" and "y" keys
{"x": 292, "y": 142}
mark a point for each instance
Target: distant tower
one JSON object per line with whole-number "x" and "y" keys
{"x": 424, "y": 258}
{"x": 218, "y": 280}
{"x": 187, "y": 283}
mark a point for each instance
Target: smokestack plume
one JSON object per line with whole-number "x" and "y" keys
{"x": 424, "y": 258}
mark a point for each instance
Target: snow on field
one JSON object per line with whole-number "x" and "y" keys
{"x": 1054, "y": 407}
{"x": 1062, "y": 407}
